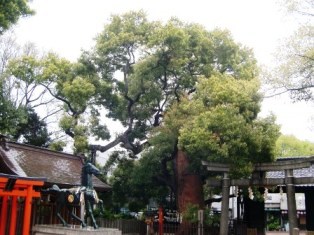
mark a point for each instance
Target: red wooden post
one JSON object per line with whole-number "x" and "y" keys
{"x": 4, "y": 212}
{"x": 28, "y": 210}
{"x": 1, "y": 215}
{"x": 13, "y": 215}
{"x": 161, "y": 221}
{"x": 21, "y": 188}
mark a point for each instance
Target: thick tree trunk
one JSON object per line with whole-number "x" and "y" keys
{"x": 190, "y": 188}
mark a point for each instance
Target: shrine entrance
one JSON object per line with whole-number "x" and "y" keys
{"x": 260, "y": 178}
{"x": 16, "y": 196}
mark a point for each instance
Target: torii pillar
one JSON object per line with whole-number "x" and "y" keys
{"x": 292, "y": 209}
{"x": 289, "y": 181}
{"x": 225, "y": 184}
{"x": 225, "y": 205}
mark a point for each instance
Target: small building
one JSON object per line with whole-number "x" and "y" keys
{"x": 57, "y": 167}
{"x": 276, "y": 207}
{"x": 30, "y": 162}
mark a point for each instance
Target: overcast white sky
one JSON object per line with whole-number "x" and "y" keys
{"x": 67, "y": 26}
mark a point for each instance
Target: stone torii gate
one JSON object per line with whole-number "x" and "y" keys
{"x": 259, "y": 179}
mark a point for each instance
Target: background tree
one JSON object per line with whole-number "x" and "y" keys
{"x": 68, "y": 91}
{"x": 11, "y": 11}
{"x": 290, "y": 146}
{"x": 34, "y": 131}
{"x": 22, "y": 93}
{"x": 294, "y": 71}
{"x": 10, "y": 116}
{"x": 130, "y": 178}
{"x": 18, "y": 118}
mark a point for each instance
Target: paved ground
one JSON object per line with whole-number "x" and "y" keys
{"x": 283, "y": 233}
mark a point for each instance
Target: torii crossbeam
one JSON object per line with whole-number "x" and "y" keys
{"x": 259, "y": 179}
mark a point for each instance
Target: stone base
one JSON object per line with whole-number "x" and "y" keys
{"x": 77, "y": 230}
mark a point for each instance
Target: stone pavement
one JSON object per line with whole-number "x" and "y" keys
{"x": 283, "y": 233}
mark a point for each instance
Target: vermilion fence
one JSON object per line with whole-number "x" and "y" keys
{"x": 19, "y": 216}
{"x": 16, "y": 197}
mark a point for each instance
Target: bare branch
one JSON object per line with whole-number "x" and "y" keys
{"x": 74, "y": 112}
{"x": 53, "y": 113}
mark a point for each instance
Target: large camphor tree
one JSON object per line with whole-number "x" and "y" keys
{"x": 153, "y": 68}
{"x": 161, "y": 82}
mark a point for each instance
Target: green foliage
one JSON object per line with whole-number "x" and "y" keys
{"x": 174, "y": 53}
{"x": 97, "y": 129}
{"x": 294, "y": 71}
{"x": 23, "y": 124}
{"x": 10, "y": 116}
{"x": 297, "y": 63}
{"x": 18, "y": 119}
{"x": 144, "y": 74}
{"x": 11, "y": 11}
{"x": 129, "y": 178}
{"x": 69, "y": 83}
{"x": 159, "y": 69}
{"x": 273, "y": 223}
{"x": 80, "y": 143}
{"x": 24, "y": 68}
{"x": 57, "y": 145}
{"x": 225, "y": 129}
{"x": 191, "y": 215}
{"x": 120, "y": 181}
{"x": 290, "y": 146}
{"x": 136, "y": 70}
{"x": 78, "y": 91}
{"x": 34, "y": 131}
{"x": 67, "y": 122}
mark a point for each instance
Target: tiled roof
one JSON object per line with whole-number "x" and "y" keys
{"x": 59, "y": 168}
{"x": 297, "y": 173}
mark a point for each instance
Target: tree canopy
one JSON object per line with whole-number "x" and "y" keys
{"x": 224, "y": 126}
{"x": 149, "y": 65}
{"x": 170, "y": 85}
{"x": 11, "y": 11}
{"x": 135, "y": 71}
{"x": 18, "y": 118}
{"x": 290, "y": 146}
{"x": 294, "y": 71}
